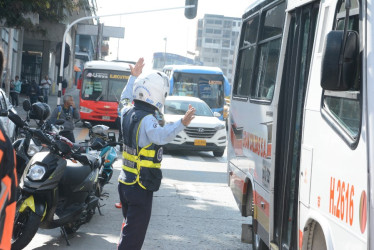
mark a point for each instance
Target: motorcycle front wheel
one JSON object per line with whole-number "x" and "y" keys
{"x": 26, "y": 225}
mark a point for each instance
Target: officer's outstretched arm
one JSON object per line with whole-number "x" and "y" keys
{"x": 163, "y": 135}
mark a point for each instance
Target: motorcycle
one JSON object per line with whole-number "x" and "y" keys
{"x": 59, "y": 188}
{"x": 26, "y": 146}
{"x": 104, "y": 143}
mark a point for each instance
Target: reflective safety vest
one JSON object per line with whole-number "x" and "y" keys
{"x": 140, "y": 165}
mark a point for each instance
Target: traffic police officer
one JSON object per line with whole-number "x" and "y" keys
{"x": 142, "y": 152}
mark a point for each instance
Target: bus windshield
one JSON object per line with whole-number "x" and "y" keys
{"x": 207, "y": 87}
{"x": 103, "y": 85}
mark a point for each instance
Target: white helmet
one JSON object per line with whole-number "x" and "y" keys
{"x": 152, "y": 87}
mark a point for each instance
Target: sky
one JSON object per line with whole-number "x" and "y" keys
{"x": 170, "y": 30}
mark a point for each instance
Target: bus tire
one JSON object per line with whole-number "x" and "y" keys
{"x": 315, "y": 238}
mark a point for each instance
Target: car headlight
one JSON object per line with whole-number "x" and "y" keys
{"x": 219, "y": 127}
{"x": 85, "y": 110}
{"x": 33, "y": 148}
{"x": 36, "y": 172}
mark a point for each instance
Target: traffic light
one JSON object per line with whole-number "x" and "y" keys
{"x": 190, "y": 13}
{"x": 66, "y": 54}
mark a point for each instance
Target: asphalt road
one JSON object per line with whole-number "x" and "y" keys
{"x": 194, "y": 208}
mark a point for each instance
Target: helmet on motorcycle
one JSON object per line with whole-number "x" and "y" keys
{"x": 99, "y": 130}
{"x": 40, "y": 111}
{"x": 152, "y": 88}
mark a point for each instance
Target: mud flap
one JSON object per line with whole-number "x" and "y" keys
{"x": 247, "y": 233}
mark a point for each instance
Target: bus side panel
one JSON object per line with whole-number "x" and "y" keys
{"x": 249, "y": 151}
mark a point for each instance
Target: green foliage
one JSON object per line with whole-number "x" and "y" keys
{"x": 12, "y": 11}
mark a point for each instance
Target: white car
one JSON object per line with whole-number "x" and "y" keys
{"x": 205, "y": 133}
{"x": 8, "y": 125}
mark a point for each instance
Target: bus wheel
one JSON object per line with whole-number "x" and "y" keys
{"x": 316, "y": 239}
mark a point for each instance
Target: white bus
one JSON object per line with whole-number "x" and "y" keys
{"x": 301, "y": 148}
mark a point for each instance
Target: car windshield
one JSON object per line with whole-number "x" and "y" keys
{"x": 207, "y": 87}
{"x": 179, "y": 107}
{"x": 103, "y": 85}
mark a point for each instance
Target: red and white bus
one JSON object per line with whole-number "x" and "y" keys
{"x": 301, "y": 142}
{"x": 101, "y": 90}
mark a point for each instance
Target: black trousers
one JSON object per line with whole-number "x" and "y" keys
{"x": 68, "y": 134}
{"x": 136, "y": 209}
{"x": 14, "y": 98}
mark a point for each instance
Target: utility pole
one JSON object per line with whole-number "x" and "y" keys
{"x": 9, "y": 62}
{"x": 99, "y": 41}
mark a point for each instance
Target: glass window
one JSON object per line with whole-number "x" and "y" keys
{"x": 267, "y": 70}
{"x": 207, "y": 87}
{"x": 274, "y": 19}
{"x": 242, "y": 82}
{"x": 250, "y": 31}
{"x": 103, "y": 85}
{"x": 178, "y": 107}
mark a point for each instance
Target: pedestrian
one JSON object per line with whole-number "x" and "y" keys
{"x": 16, "y": 91}
{"x": 12, "y": 93}
{"x": 142, "y": 151}
{"x": 33, "y": 92}
{"x": 8, "y": 178}
{"x": 69, "y": 113}
{"x": 45, "y": 85}
{"x": 64, "y": 86}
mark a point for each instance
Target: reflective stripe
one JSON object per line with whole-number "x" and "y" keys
{"x": 131, "y": 170}
{"x": 129, "y": 150}
{"x": 132, "y": 162}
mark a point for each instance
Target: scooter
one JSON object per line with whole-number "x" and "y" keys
{"x": 59, "y": 188}
{"x": 26, "y": 146}
{"x": 104, "y": 143}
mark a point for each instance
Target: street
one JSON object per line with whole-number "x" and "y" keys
{"x": 194, "y": 208}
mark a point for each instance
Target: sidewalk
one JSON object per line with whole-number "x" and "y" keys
{"x": 52, "y": 102}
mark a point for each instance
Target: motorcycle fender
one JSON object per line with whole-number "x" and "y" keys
{"x": 111, "y": 156}
{"x": 37, "y": 208}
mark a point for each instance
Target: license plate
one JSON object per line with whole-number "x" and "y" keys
{"x": 106, "y": 117}
{"x": 200, "y": 142}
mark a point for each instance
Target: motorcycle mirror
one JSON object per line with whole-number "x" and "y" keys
{"x": 15, "y": 119}
{"x": 3, "y": 112}
{"x": 87, "y": 124}
{"x": 26, "y": 105}
{"x": 60, "y": 122}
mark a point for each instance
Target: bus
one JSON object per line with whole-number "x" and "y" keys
{"x": 206, "y": 83}
{"x": 101, "y": 90}
{"x": 300, "y": 148}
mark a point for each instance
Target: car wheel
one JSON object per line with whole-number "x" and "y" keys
{"x": 218, "y": 153}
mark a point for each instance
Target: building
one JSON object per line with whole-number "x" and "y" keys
{"x": 160, "y": 59}
{"x": 32, "y": 55}
{"x": 216, "y": 41}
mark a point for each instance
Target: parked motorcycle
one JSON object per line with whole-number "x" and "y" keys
{"x": 26, "y": 146}
{"x": 59, "y": 187}
{"x": 104, "y": 142}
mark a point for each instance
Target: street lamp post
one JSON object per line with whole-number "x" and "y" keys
{"x": 95, "y": 17}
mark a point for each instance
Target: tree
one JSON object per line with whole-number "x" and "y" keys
{"x": 13, "y": 13}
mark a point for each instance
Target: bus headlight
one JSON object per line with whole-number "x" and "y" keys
{"x": 36, "y": 172}
{"x": 85, "y": 110}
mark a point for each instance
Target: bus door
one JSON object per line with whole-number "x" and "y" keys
{"x": 301, "y": 33}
